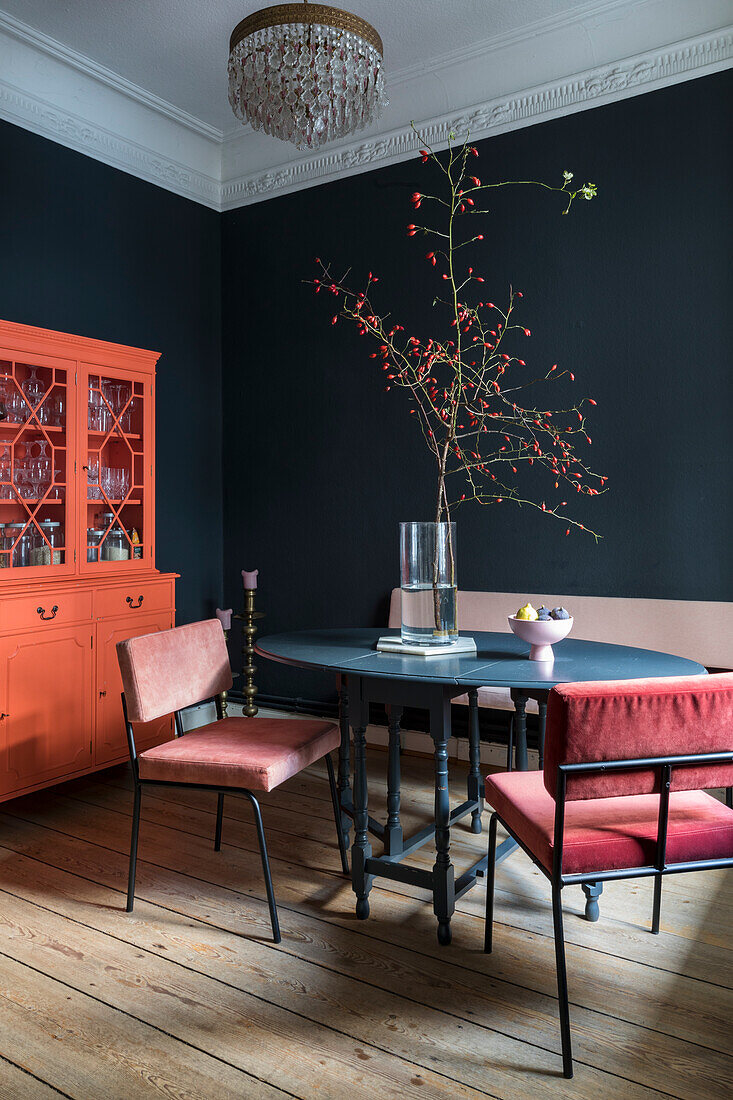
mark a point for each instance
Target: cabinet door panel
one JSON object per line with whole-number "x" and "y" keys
{"x": 46, "y": 688}
{"x": 111, "y": 739}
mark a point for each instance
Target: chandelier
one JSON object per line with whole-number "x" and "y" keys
{"x": 306, "y": 73}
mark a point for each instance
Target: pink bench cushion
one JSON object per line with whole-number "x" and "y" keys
{"x": 257, "y": 753}
{"x": 604, "y": 834}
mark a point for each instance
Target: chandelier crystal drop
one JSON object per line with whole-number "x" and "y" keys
{"x": 306, "y": 73}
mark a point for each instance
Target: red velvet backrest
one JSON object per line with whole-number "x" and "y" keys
{"x": 173, "y": 669}
{"x": 629, "y": 719}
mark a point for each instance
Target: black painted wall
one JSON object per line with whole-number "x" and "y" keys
{"x": 631, "y": 291}
{"x": 85, "y": 248}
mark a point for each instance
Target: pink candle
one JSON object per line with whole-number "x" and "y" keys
{"x": 225, "y": 617}
{"x": 250, "y": 578}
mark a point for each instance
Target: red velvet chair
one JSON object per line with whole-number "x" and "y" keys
{"x": 622, "y": 794}
{"x": 165, "y": 672}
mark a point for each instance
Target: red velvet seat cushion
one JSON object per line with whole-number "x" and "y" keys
{"x": 604, "y": 834}
{"x": 257, "y": 753}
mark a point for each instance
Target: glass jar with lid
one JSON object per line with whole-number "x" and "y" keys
{"x": 14, "y": 535}
{"x": 5, "y": 547}
{"x": 94, "y": 537}
{"x": 45, "y": 547}
{"x": 116, "y": 546}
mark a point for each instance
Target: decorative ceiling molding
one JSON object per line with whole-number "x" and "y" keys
{"x": 13, "y": 28}
{"x": 607, "y": 84}
{"x": 55, "y": 92}
{"x": 95, "y": 141}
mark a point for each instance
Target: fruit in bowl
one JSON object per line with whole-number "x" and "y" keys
{"x": 541, "y": 630}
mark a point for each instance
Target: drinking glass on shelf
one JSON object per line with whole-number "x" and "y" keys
{"x": 93, "y": 490}
{"x": 59, "y": 409}
{"x": 6, "y": 490}
{"x": 21, "y": 480}
{"x": 33, "y": 388}
{"x": 117, "y": 393}
{"x": 98, "y": 414}
{"x": 17, "y": 409}
{"x": 58, "y": 486}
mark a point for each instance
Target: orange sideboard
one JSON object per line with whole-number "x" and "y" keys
{"x": 77, "y": 550}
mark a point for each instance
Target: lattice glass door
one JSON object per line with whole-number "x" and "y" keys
{"x": 114, "y": 459}
{"x": 36, "y": 467}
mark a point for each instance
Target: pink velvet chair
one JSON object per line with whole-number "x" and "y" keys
{"x": 622, "y": 794}
{"x": 165, "y": 672}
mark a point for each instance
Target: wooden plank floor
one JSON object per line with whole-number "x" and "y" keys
{"x": 188, "y": 997}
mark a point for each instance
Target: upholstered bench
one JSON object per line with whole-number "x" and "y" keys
{"x": 700, "y": 630}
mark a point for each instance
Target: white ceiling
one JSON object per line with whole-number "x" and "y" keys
{"x": 177, "y": 49}
{"x": 142, "y": 84}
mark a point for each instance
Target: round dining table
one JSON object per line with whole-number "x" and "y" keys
{"x": 431, "y": 683}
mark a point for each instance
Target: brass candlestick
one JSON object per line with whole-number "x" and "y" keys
{"x": 249, "y": 688}
{"x": 225, "y": 618}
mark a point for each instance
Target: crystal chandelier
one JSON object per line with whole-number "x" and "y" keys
{"x": 306, "y": 73}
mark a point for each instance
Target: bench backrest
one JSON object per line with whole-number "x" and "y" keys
{"x": 702, "y": 631}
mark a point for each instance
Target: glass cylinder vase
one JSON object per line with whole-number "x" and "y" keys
{"x": 428, "y": 581}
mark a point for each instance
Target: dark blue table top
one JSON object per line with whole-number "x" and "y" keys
{"x": 502, "y": 660}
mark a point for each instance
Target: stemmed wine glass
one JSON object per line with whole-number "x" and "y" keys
{"x": 6, "y": 491}
{"x": 33, "y": 388}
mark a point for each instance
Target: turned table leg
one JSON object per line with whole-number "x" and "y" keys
{"x": 475, "y": 783}
{"x": 345, "y": 800}
{"x": 362, "y": 849}
{"x": 443, "y": 872}
{"x": 520, "y": 730}
{"x": 393, "y": 841}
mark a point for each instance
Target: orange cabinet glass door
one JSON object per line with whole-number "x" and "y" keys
{"x": 47, "y": 706}
{"x": 37, "y": 494}
{"x": 116, "y": 455}
{"x": 111, "y": 738}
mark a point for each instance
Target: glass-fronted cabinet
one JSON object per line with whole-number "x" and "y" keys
{"x": 37, "y": 428}
{"x": 77, "y": 550}
{"x": 116, "y": 462}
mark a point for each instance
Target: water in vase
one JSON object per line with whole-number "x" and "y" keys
{"x": 420, "y": 623}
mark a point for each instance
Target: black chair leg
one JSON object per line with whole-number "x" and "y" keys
{"x": 510, "y": 746}
{"x": 729, "y": 797}
{"x": 490, "y": 877}
{"x": 133, "y": 848}
{"x": 219, "y": 821}
{"x": 562, "y": 981}
{"x": 657, "y": 909}
{"x": 266, "y": 868}
{"x": 337, "y": 814}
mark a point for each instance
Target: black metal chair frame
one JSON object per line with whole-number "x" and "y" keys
{"x": 221, "y": 791}
{"x": 664, "y": 765}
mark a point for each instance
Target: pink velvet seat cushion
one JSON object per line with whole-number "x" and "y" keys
{"x": 256, "y": 753}
{"x": 605, "y": 834}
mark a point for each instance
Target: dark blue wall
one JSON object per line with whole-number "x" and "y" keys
{"x": 632, "y": 292}
{"x": 87, "y": 249}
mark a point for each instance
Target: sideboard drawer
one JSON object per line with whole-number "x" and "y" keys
{"x": 46, "y": 607}
{"x": 132, "y": 598}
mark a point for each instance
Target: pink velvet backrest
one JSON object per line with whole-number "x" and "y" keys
{"x": 629, "y": 719}
{"x": 173, "y": 669}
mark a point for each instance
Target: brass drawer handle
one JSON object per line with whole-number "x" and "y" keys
{"x": 42, "y": 612}
{"x": 102, "y": 694}
{"x": 134, "y": 605}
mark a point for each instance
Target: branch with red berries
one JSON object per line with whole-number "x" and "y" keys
{"x": 471, "y": 392}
